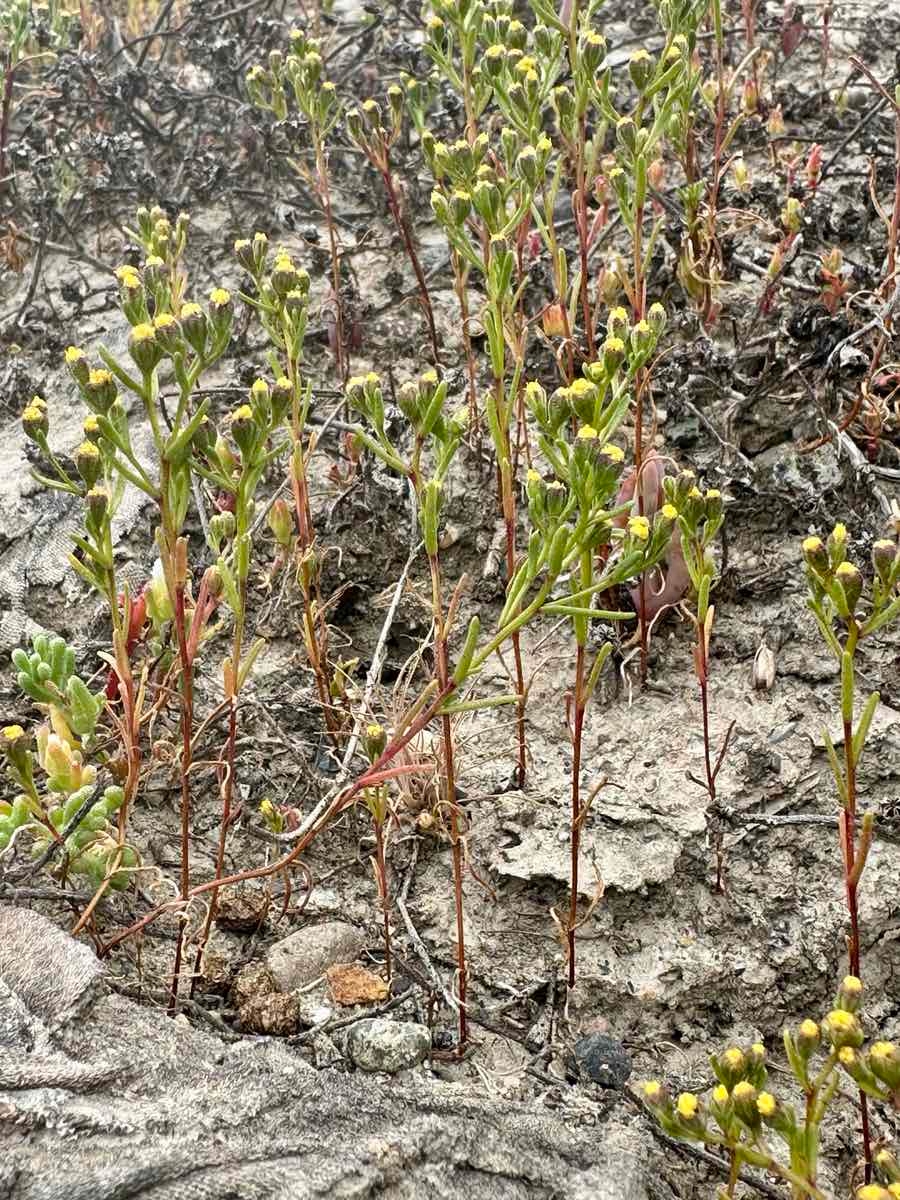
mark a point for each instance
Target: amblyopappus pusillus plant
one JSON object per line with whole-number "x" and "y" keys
{"x": 849, "y": 610}
{"x": 747, "y": 1119}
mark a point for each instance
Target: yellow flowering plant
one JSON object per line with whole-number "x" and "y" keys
{"x": 606, "y": 543}
{"x": 745, "y": 1118}
{"x": 848, "y": 610}
{"x": 699, "y": 518}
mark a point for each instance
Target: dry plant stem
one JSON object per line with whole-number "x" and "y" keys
{"x": 226, "y": 784}
{"x": 577, "y": 732}
{"x": 5, "y": 110}
{"x": 460, "y": 275}
{"x": 848, "y": 846}
{"x": 639, "y": 384}
{"x": 316, "y": 638}
{"x": 418, "y": 717}
{"x": 342, "y": 365}
{"x": 403, "y": 230}
{"x": 508, "y": 502}
{"x": 582, "y": 223}
{"x": 703, "y": 673}
{"x": 187, "y": 725}
{"x": 384, "y": 894}
{"x": 380, "y": 772}
{"x": 442, "y": 673}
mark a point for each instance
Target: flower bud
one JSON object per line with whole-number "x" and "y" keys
{"x": 97, "y": 501}
{"x": 261, "y": 400}
{"x": 284, "y": 276}
{"x": 88, "y": 463}
{"x": 35, "y": 423}
{"x": 563, "y": 106}
{"x": 154, "y": 272}
{"x": 617, "y": 323}
{"x": 460, "y": 206}
{"x": 281, "y": 398}
{"x": 215, "y": 584}
{"x": 91, "y": 429}
{"x": 808, "y": 1038}
{"x": 593, "y": 51}
{"x": 100, "y": 390}
{"x": 168, "y": 334}
{"x": 842, "y": 1028}
{"x": 281, "y": 523}
{"x": 849, "y": 995}
{"x": 77, "y": 363}
{"x": 244, "y": 429}
{"x": 884, "y": 559}
{"x": 193, "y": 326}
{"x": 656, "y": 319}
{"x": 850, "y": 580}
{"x": 144, "y": 347}
{"x": 221, "y": 528}
{"x": 582, "y": 399}
{"x": 626, "y": 134}
{"x": 641, "y": 68}
{"x": 744, "y": 1097}
{"x": 816, "y": 556}
{"x": 613, "y": 354}
{"x": 374, "y": 741}
{"x": 221, "y": 308}
{"x": 731, "y": 1067}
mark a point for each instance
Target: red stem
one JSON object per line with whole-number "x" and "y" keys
{"x": 577, "y": 731}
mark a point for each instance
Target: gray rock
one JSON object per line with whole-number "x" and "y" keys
{"x": 602, "y": 1059}
{"x": 303, "y": 956}
{"x": 187, "y": 1118}
{"x": 378, "y": 1044}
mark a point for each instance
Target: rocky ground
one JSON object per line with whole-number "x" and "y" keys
{"x": 669, "y": 970}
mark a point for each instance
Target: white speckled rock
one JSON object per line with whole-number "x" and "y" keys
{"x": 378, "y": 1044}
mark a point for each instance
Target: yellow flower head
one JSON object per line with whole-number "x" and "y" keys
{"x": 639, "y": 527}
{"x": 586, "y": 433}
{"x": 653, "y": 1091}
{"x": 720, "y": 1093}
{"x": 713, "y": 493}
{"x": 100, "y": 378}
{"x": 143, "y": 333}
{"x": 581, "y": 387}
{"x": 733, "y": 1059}
{"x": 91, "y": 424}
{"x": 244, "y": 413}
{"x": 873, "y": 1191}
{"x": 670, "y": 512}
{"x": 73, "y": 355}
{"x": 533, "y": 476}
{"x": 220, "y": 297}
{"x": 164, "y": 321}
{"x": 743, "y": 1090}
{"x": 12, "y": 733}
{"x": 811, "y": 545}
{"x": 766, "y": 1104}
{"x": 525, "y": 64}
{"x": 687, "y": 1106}
{"x": 839, "y": 533}
{"x": 87, "y": 450}
{"x": 809, "y": 1029}
{"x": 846, "y": 570}
{"x": 840, "y": 1021}
{"x": 612, "y": 451}
{"x": 850, "y": 984}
